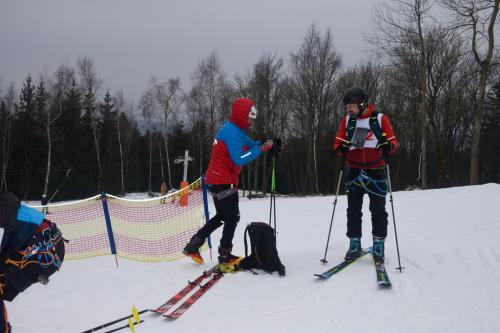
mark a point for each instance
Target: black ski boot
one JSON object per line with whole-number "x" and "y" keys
{"x": 192, "y": 249}
{"x": 378, "y": 249}
{"x": 225, "y": 256}
{"x": 355, "y": 250}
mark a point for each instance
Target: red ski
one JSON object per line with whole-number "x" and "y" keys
{"x": 181, "y": 294}
{"x": 194, "y": 297}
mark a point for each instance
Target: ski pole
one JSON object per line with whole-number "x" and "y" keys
{"x": 129, "y": 325}
{"x": 272, "y": 208}
{"x": 97, "y": 328}
{"x": 63, "y": 182}
{"x": 392, "y": 207}
{"x": 324, "y": 261}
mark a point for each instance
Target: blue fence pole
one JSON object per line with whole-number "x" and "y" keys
{"x": 108, "y": 226}
{"x": 205, "y": 204}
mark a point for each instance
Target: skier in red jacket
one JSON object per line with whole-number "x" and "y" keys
{"x": 364, "y": 138}
{"x": 231, "y": 150}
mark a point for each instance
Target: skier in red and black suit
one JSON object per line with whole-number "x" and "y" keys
{"x": 231, "y": 150}
{"x": 364, "y": 138}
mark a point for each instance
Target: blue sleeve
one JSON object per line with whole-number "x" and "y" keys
{"x": 252, "y": 143}
{"x": 235, "y": 139}
{"x": 28, "y": 220}
{"x": 29, "y": 215}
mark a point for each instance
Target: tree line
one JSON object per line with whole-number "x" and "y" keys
{"x": 65, "y": 136}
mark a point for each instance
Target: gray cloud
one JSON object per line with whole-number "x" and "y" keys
{"x": 130, "y": 41}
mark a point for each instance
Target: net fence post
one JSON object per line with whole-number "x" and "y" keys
{"x": 205, "y": 206}
{"x": 109, "y": 228}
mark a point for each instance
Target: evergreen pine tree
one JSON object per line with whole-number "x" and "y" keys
{"x": 109, "y": 142}
{"x": 27, "y": 140}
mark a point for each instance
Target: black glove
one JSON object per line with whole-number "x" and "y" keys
{"x": 384, "y": 145}
{"x": 278, "y": 143}
{"x": 343, "y": 148}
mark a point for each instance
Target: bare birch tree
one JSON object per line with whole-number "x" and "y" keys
{"x": 50, "y": 113}
{"x": 314, "y": 70}
{"x": 119, "y": 106}
{"x": 267, "y": 90}
{"x": 208, "y": 101}
{"x": 147, "y": 106}
{"x": 447, "y": 72}
{"x": 169, "y": 97}
{"x": 401, "y": 29}
{"x": 89, "y": 86}
{"x": 478, "y": 18}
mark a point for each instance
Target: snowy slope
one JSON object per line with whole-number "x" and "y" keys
{"x": 449, "y": 244}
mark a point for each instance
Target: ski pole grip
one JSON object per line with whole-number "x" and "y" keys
{"x": 385, "y": 153}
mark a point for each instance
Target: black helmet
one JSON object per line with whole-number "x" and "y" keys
{"x": 356, "y": 95}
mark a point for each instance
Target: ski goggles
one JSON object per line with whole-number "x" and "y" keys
{"x": 253, "y": 112}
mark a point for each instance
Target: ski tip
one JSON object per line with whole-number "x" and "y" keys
{"x": 385, "y": 285}
{"x": 174, "y": 315}
{"x": 321, "y": 277}
{"x": 170, "y": 316}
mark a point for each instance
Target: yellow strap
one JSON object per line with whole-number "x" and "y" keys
{"x": 131, "y": 325}
{"x": 135, "y": 313}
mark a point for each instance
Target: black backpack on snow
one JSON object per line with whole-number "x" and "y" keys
{"x": 264, "y": 254}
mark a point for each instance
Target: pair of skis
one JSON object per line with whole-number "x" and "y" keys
{"x": 382, "y": 276}
{"x": 213, "y": 275}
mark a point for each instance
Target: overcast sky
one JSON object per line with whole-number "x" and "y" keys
{"x": 132, "y": 40}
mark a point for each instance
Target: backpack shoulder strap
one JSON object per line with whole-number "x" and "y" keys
{"x": 245, "y": 240}
{"x": 375, "y": 124}
{"x": 246, "y": 263}
{"x": 351, "y": 126}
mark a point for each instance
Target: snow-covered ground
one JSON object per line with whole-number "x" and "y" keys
{"x": 449, "y": 245}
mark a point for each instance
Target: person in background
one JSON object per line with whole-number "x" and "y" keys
{"x": 44, "y": 202}
{"x": 163, "y": 191}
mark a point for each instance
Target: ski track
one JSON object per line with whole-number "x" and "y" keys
{"x": 449, "y": 284}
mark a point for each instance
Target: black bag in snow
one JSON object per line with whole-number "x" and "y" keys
{"x": 264, "y": 254}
